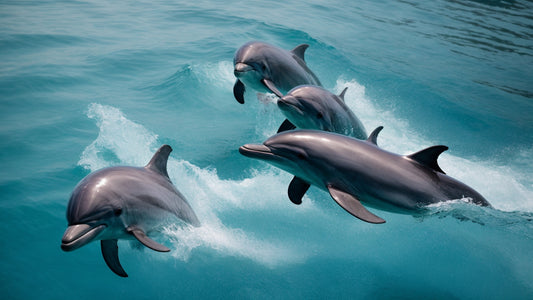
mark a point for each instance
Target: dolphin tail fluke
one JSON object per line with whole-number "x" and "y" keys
{"x": 110, "y": 253}
{"x": 352, "y": 205}
{"x": 238, "y": 91}
{"x": 297, "y": 189}
{"x": 285, "y": 126}
{"x": 145, "y": 240}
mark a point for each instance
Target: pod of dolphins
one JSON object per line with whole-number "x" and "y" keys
{"x": 321, "y": 143}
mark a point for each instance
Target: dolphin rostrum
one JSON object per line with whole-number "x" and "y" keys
{"x": 356, "y": 172}
{"x": 313, "y": 107}
{"x": 124, "y": 203}
{"x": 266, "y": 68}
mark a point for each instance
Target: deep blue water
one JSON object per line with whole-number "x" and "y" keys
{"x": 90, "y": 84}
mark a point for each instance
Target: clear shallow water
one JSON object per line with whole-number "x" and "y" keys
{"x": 84, "y": 85}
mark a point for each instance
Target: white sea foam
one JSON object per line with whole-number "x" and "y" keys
{"x": 218, "y": 74}
{"x": 128, "y": 141}
{"x": 231, "y": 242}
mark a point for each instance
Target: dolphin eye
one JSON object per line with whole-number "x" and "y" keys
{"x": 117, "y": 212}
{"x": 320, "y": 116}
{"x": 301, "y": 156}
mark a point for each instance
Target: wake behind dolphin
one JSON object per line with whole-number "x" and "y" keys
{"x": 356, "y": 172}
{"x": 124, "y": 203}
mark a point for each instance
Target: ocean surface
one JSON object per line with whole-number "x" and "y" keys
{"x": 90, "y": 84}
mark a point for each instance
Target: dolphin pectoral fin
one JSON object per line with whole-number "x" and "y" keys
{"x": 286, "y": 125}
{"x": 272, "y": 87}
{"x": 352, "y": 205}
{"x": 145, "y": 240}
{"x": 110, "y": 253}
{"x": 297, "y": 189}
{"x": 238, "y": 91}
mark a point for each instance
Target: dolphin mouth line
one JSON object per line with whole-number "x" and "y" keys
{"x": 256, "y": 151}
{"x": 241, "y": 68}
{"x": 283, "y": 104}
{"x": 79, "y": 235}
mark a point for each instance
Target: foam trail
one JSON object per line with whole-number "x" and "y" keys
{"x": 232, "y": 242}
{"x": 121, "y": 141}
{"x": 218, "y": 74}
{"x": 116, "y": 139}
{"x": 503, "y": 186}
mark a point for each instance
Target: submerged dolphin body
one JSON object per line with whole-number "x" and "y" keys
{"x": 356, "y": 172}
{"x": 266, "y": 68}
{"x": 124, "y": 203}
{"x": 313, "y": 107}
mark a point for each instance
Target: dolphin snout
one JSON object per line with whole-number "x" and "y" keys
{"x": 291, "y": 107}
{"x": 288, "y": 101}
{"x": 241, "y": 68}
{"x": 78, "y": 235}
{"x": 255, "y": 150}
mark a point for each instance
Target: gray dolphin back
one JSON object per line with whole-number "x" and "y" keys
{"x": 180, "y": 207}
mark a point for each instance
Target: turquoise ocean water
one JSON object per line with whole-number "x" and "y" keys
{"x": 90, "y": 84}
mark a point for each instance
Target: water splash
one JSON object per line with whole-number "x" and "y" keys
{"x": 119, "y": 140}
{"x": 219, "y": 75}
{"x": 230, "y": 242}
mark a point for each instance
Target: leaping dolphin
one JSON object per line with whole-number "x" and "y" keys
{"x": 124, "y": 203}
{"x": 355, "y": 172}
{"x": 266, "y": 68}
{"x": 313, "y": 107}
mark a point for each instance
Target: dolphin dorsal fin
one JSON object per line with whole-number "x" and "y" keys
{"x": 341, "y": 95}
{"x": 300, "y": 51}
{"x": 158, "y": 163}
{"x": 373, "y": 137}
{"x": 428, "y": 157}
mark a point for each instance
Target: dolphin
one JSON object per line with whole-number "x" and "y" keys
{"x": 313, "y": 107}
{"x": 124, "y": 203}
{"x": 356, "y": 172}
{"x": 266, "y": 68}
